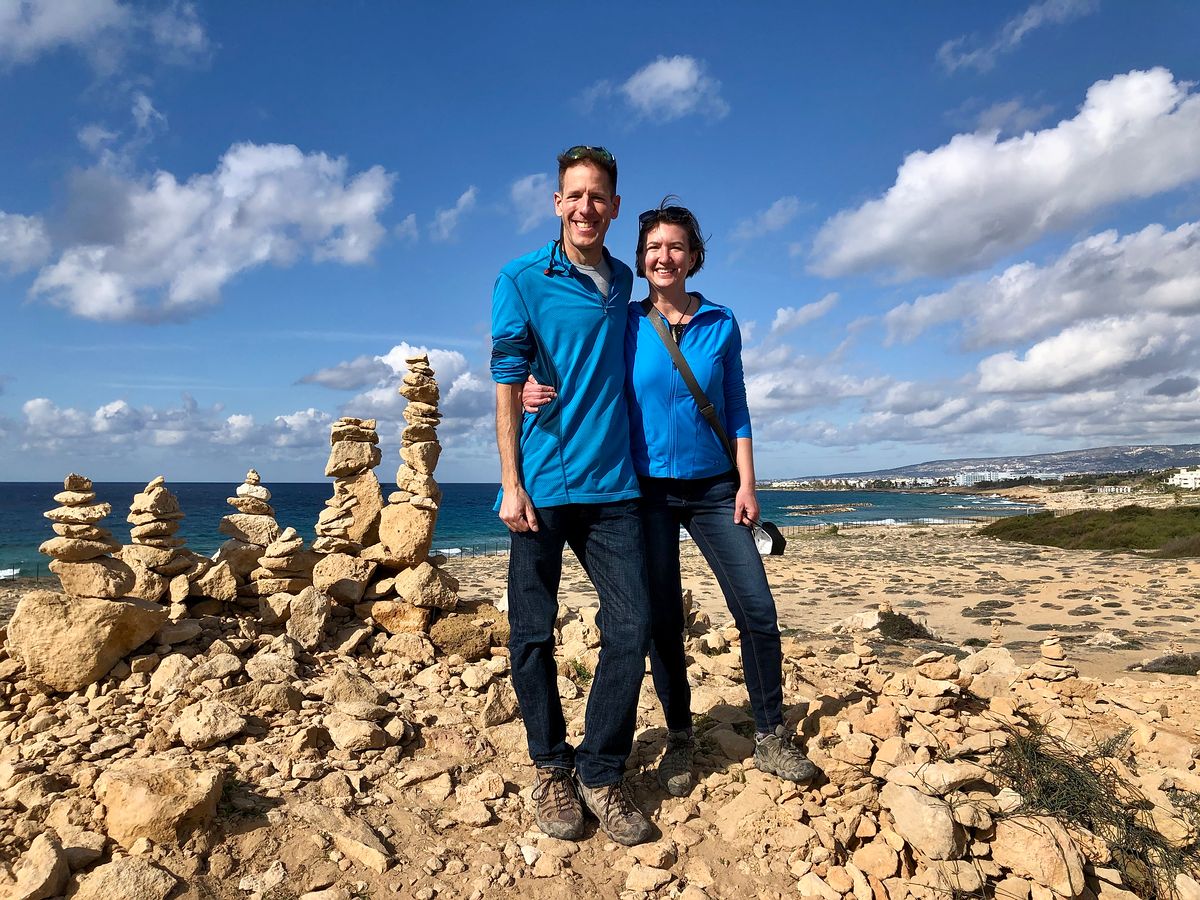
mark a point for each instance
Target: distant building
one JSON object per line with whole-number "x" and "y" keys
{"x": 966, "y": 479}
{"x": 1188, "y": 479}
{"x": 1114, "y": 489}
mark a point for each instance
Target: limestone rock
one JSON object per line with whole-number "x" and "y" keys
{"x": 218, "y": 583}
{"x": 1039, "y": 848}
{"x": 351, "y": 836}
{"x": 69, "y": 643}
{"x": 43, "y": 870}
{"x": 157, "y": 797}
{"x": 208, "y": 722}
{"x": 406, "y": 532}
{"x": 260, "y": 530}
{"x": 241, "y": 556}
{"x": 351, "y": 734}
{"x": 343, "y": 577}
{"x": 429, "y": 587}
{"x": 103, "y": 577}
{"x": 77, "y": 549}
{"x": 460, "y": 635}
{"x": 307, "y": 615}
{"x": 129, "y": 878}
{"x": 924, "y": 822}
{"x": 499, "y": 706}
{"x": 422, "y": 457}
{"x": 352, "y": 458}
{"x": 364, "y": 526}
{"x": 397, "y": 616}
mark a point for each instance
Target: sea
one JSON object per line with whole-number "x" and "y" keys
{"x": 466, "y": 523}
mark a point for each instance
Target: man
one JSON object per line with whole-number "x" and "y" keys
{"x": 568, "y": 479}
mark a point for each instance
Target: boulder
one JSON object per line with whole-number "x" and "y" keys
{"x": 241, "y": 556}
{"x": 217, "y": 583}
{"x": 352, "y": 458}
{"x": 364, "y": 528}
{"x": 422, "y": 457}
{"x": 1039, "y": 848}
{"x": 104, "y": 577}
{"x": 343, "y": 577}
{"x": 157, "y": 797}
{"x": 68, "y": 643}
{"x": 460, "y": 635}
{"x": 429, "y": 587}
{"x": 147, "y": 584}
{"x": 307, "y": 614}
{"x": 74, "y": 549}
{"x": 397, "y": 617}
{"x": 925, "y": 822}
{"x": 208, "y": 722}
{"x": 43, "y": 870}
{"x": 406, "y": 532}
{"x": 260, "y": 530}
{"x": 129, "y": 878}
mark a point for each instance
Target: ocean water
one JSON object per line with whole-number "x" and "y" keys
{"x": 466, "y": 522}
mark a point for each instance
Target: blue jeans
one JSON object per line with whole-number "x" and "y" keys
{"x": 607, "y": 539}
{"x": 704, "y": 506}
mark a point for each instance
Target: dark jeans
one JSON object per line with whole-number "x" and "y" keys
{"x": 704, "y": 506}
{"x": 607, "y": 539}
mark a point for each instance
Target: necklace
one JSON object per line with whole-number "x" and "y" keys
{"x": 677, "y": 326}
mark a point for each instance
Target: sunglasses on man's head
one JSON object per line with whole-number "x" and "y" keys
{"x": 676, "y": 215}
{"x": 599, "y": 154}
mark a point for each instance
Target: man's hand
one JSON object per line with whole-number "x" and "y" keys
{"x": 745, "y": 507}
{"x": 517, "y": 512}
{"x": 534, "y": 396}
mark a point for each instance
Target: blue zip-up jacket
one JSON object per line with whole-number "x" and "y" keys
{"x": 549, "y": 318}
{"x": 670, "y": 439}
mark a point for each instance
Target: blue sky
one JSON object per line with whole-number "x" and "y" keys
{"x": 947, "y": 229}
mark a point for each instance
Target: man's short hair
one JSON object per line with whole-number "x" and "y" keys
{"x": 582, "y": 153}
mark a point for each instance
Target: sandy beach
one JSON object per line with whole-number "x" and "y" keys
{"x": 954, "y": 580}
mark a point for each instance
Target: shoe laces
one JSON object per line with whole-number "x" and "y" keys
{"x": 559, "y": 787}
{"x": 617, "y": 798}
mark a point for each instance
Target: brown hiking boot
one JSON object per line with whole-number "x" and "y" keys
{"x": 619, "y": 818}
{"x": 676, "y": 773}
{"x": 776, "y": 755}
{"x": 557, "y": 808}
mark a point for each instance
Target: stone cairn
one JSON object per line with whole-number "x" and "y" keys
{"x": 410, "y": 592}
{"x": 350, "y": 520}
{"x": 1053, "y": 665}
{"x": 285, "y": 567}
{"x": 250, "y": 530}
{"x": 93, "y": 618}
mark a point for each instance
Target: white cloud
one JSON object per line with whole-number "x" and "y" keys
{"x": 806, "y": 384}
{"x": 789, "y": 318}
{"x": 23, "y": 242}
{"x": 351, "y": 375}
{"x": 159, "y": 249}
{"x": 407, "y": 229}
{"x": 667, "y": 89}
{"x": 975, "y": 199}
{"x": 1094, "y": 354}
{"x": 145, "y": 116}
{"x": 1011, "y": 117}
{"x": 445, "y": 221}
{"x": 962, "y": 52}
{"x": 103, "y": 30}
{"x": 774, "y": 218}
{"x": 532, "y": 197}
{"x": 1102, "y": 275}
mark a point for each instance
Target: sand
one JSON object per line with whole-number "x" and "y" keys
{"x": 955, "y": 581}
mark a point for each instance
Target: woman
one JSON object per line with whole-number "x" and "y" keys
{"x": 687, "y": 479}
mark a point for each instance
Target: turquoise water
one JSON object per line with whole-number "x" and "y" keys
{"x": 465, "y": 523}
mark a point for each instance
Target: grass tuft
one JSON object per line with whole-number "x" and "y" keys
{"x": 896, "y": 626}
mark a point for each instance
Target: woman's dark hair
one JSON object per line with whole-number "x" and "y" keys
{"x": 670, "y": 213}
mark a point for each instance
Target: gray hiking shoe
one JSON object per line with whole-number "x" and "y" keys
{"x": 675, "y": 771}
{"x": 620, "y": 819}
{"x": 558, "y": 810}
{"x": 776, "y": 755}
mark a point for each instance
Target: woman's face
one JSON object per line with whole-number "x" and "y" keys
{"x": 668, "y": 256}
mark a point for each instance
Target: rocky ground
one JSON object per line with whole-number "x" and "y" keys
{"x": 224, "y": 760}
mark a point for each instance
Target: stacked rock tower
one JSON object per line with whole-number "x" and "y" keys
{"x": 350, "y": 520}
{"x": 154, "y": 552}
{"x": 251, "y": 529}
{"x": 68, "y": 640}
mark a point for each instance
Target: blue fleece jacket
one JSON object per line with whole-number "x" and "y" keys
{"x": 670, "y": 438}
{"x": 550, "y": 319}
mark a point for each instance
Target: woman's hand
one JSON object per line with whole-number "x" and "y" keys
{"x": 745, "y": 506}
{"x": 534, "y": 396}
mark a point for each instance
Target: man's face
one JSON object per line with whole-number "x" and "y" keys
{"x": 586, "y": 205}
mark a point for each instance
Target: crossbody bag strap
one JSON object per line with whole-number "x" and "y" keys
{"x": 706, "y": 408}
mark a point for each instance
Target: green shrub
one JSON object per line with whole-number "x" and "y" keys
{"x": 1124, "y": 528}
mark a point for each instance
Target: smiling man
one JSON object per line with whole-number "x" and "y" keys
{"x": 568, "y": 479}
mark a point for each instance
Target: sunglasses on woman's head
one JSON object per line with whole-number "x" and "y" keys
{"x": 676, "y": 215}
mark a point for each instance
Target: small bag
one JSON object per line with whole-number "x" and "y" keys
{"x": 767, "y": 537}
